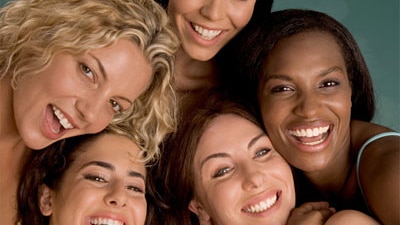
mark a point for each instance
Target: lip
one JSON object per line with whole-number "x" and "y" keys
{"x": 198, "y": 38}
{"x": 69, "y": 118}
{"x": 263, "y": 197}
{"x": 314, "y": 143}
{"x": 46, "y": 127}
{"x": 108, "y": 215}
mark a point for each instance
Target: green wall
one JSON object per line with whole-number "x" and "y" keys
{"x": 375, "y": 25}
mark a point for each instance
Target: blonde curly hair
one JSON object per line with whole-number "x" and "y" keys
{"x": 32, "y": 32}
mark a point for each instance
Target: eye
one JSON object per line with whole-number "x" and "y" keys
{"x": 221, "y": 172}
{"x": 95, "y": 178}
{"x": 135, "y": 189}
{"x": 115, "y": 106}
{"x": 330, "y": 83}
{"x": 262, "y": 152}
{"x": 281, "y": 88}
{"x": 87, "y": 71}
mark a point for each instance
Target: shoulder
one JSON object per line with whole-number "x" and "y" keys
{"x": 361, "y": 131}
{"x": 350, "y": 217}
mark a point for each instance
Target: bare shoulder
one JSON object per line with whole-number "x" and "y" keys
{"x": 378, "y": 171}
{"x": 361, "y": 131}
{"x": 350, "y": 217}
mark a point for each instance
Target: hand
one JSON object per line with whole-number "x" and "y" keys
{"x": 311, "y": 213}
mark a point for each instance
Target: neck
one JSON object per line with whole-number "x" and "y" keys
{"x": 338, "y": 177}
{"x": 192, "y": 75}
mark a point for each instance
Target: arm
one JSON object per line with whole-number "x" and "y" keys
{"x": 310, "y": 213}
{"x": 380, "y": 179}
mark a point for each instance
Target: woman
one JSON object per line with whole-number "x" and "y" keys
{"x": 221, "y": 168}
{"x": 316, "y": 100}
{"x": 73, "y": 67}
{"x": 80, "y": 180}
{"x": 204, "y": 28}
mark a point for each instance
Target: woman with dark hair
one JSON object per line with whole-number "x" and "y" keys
{"x": 315, "y": 97}
{"x": 221, "y": 168}
{"x": 89, "y": 179}
{"x": 204, "y": 29}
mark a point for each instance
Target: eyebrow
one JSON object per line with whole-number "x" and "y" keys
{"x": 255, "y": 139}
{"x": 102, "y": 70}
{"x": 330, "y": 70}
{"x": 213, "y": 156}
{"x": 284, "y": 77}
{"x": 109, "y": 166}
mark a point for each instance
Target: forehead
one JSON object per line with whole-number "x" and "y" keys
{"x": 226, "y": 130}
{"x": 309, "y": 46}
{"x": 115, "y": 149}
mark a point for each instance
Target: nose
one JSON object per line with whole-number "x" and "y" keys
{"x": 92, "y": 109}
{"x": 116, "y": 196}
{"x": 307, "y": 105}
{"x": 213, "y": 9}
{"x": 253, "y": 178}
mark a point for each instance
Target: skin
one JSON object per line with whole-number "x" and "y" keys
{"x": 235, "y": 166}
{"x": 87, "y": 89}
{"x": 195, "y": 68}
{"x": 301, "y": 90}
{"x": 225, "y": 18}
{"x": 305, "y": 86}
{"x": 82, "y": 98}
{"x": 101, "y": 184}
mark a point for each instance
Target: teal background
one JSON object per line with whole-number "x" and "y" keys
{"x": 375, "y": 26}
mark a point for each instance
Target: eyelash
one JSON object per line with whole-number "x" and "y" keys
{"x": 85, "y": 69}
{"x": 330, "y": 83}
{"x": 135, "y": 189}
{"x": 98, "y": 178}
{"x": 221, "y": 172}
{"x": 95, "y": 178}
{"x": 117, "y": 108}
{"x": 262, "y": 152}
{"x": 281, "y": 88}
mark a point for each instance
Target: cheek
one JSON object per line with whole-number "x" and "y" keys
{"x": 242, "y": 17}
{"x": 139, "y": 210}
{"x": 271, "y": 114}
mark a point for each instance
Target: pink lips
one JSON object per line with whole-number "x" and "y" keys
{"x": 260, "y": 205}
{"x": 52, "y": 128}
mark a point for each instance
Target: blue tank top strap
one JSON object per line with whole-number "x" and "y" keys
{"x": 373, "y": 138}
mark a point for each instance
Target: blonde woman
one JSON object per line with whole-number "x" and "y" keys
{"x": 73, "y": 67}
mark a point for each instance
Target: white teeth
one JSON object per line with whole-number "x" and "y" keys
{"x": 205, "y": 33}
{"x": 104, "y": 221}
{"x": 262, "y": 206}
{"x": 309, "y": 132}
{"x": 63, "y": 121}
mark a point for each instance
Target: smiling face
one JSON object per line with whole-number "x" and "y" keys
{"x": 79, "y": 94}
{"x": 238, "y": 177}
{"x": 106, "y": 182}
{"x": 305, "y": 100}
{"x": 205, "y": 26}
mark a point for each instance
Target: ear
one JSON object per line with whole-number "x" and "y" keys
{"x": 198, "y": 209}
{"x": 45, "y": 200}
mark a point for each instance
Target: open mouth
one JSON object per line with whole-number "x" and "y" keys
{"x": 310, "y": 136}
{"x": 104, "y": 221}
{"x": 206, "y": 34}
{"x": 63, "y": 121}
{"x": 262, "y": 206}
